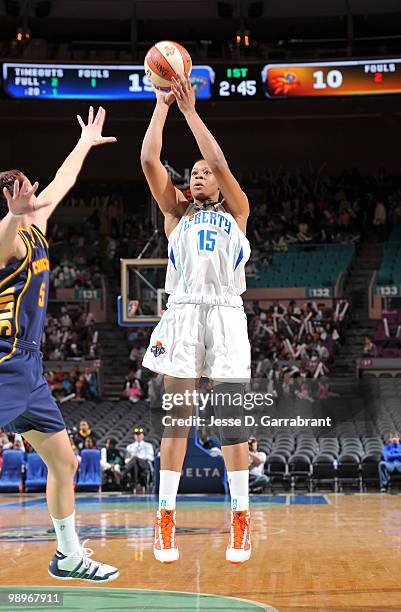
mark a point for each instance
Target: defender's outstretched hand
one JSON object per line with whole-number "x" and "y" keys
{"x": 23, "y": 201}
{"x": 184, "y": 93}
{"x": 92, "y": 132}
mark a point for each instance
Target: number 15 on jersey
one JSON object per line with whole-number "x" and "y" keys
{"x": 207, "y": 240}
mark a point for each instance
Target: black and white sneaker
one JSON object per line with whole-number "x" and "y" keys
{"x": 79, "y": 566}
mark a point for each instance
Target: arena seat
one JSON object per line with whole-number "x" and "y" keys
{"x": 324, "y": 471}
{"x": 389, "y": 272}
{"x": 276, "y": 467}
{"x": 36, "y": 473}
{"x": 90, "y": 473}
{"x": 369, "y": 469}
{"x": 349, "y": 437}
{"x": 300, "y": 469}
{"x": 297, "y": 268}
{"x": 348, "y": 470}
{"x": 11, "y": 473}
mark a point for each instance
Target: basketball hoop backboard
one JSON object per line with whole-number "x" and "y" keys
{"x": 143, "y": 297}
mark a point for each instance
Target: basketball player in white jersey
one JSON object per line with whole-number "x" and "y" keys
{"x": 204, "y": 329}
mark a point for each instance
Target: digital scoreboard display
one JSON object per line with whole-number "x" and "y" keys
{"x": 238, "y": 82}
{"x": 84, "y": 82}
{"x": 345, "y": 78}
{"x": 219, "y": 82}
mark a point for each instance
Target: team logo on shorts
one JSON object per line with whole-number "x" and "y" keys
{"x": 158, "y": 349}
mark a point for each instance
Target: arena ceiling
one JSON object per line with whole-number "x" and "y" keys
{"x": 190, "y": 9}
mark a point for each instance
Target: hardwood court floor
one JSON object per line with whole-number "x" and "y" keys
{"x": 332, "y": 552}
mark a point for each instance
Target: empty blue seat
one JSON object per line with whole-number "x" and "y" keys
{"x": 36, "y": 473}
{"x": 90, "y": 473}
{"x": 11, "y": 473}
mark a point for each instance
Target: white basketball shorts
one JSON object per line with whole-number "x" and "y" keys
{"x": 194, "y": 340}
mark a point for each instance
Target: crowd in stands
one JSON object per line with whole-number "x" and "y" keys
{"x": 311, "y": 206}
{"x": 292, "y": 346}
{"x": 73, "y": 384}
{"x": 303, "y": 458}
{"x": 70, "y": 335}
{"x": 137, "y": 384}
{"x": 131, "y": 470}
{"x": 112, "y": 231}
{"x": 293, "y": 343}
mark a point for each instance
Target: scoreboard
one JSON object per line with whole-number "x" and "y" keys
{"x": 90, "y": 82}
{"x": 218, "y": 82}
{"x": 346, "y": 78}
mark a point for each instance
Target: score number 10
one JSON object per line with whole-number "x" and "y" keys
{"x": 333, "y": 79}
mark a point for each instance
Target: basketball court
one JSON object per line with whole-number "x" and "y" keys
{"x": 310, "y": 552}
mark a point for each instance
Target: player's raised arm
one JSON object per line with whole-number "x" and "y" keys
{"x": 234, "y": 198}
{"x": 67, "y": 174}
{"x": 163, "y": 190}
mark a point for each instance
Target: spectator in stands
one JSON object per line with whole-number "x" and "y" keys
{"x": 18, "y": 445}
{"x": 91, "y": 382}
{"x": 369, "y": 349}
{"x": 304, "y": 337}
{"x": 322, "y": 351}
{"x": 322, "y": 390}
{"x": 263, "y": 366}
{"x": 138, "y": 461}
{"x": 84, "y": 432}
{"x": 82, "y": 392}
{"x": 391, "y": 460}
{"x": 89, "y": 443}
{"x": 257, "y": 459}
{"x": 5, "y": 442}
{"x": 380, "y": 219}
{"x": 132, "y": 387}
{"x": 111, "y": 462}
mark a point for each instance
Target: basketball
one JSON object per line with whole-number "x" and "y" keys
{"x": 165, "y": 60}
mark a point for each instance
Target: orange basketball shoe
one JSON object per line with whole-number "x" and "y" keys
{"x": 165, "y": 547}
{"x": 239, "y": 545}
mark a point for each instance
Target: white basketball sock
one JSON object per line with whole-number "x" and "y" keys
{"x": 168, "y": 488}
{"x": 67, "y": 537}
{"x": 238, "y": 482}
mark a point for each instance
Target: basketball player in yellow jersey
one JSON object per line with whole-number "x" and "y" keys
{"x": 26, "y": 404}
{"x": 204, "y": 330}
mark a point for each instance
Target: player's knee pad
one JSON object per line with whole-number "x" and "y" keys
{"x": 228, "y": 404}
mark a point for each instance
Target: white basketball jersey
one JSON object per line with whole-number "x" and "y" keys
{"x": 207, "y": 253}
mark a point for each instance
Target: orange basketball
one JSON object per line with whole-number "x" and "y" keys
{"x": 166, "y": 59}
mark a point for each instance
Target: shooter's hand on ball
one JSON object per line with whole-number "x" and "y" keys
{"x": 184, "y": 94}
{"x": 92, "y": 132}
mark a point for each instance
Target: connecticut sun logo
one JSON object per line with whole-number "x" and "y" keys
{"x": 284, "y": 83}
{"x": 158, "y": 349}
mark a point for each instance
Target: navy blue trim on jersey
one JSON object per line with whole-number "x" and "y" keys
{"x": 21, "y": 344}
